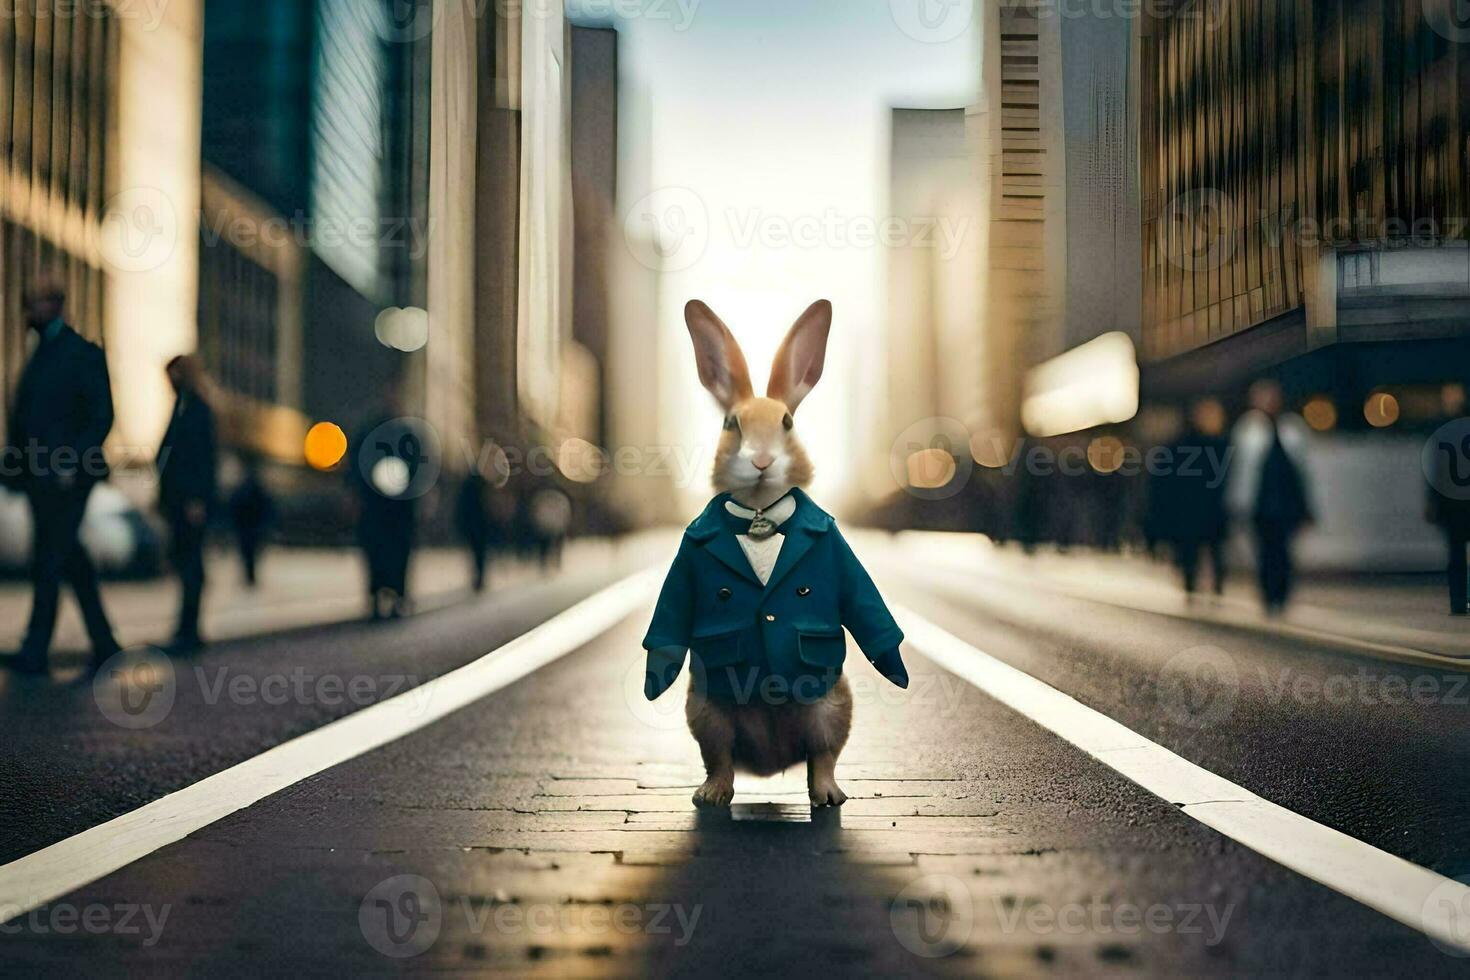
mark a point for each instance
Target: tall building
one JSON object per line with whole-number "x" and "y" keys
{"x": 1304, "y": 172}
{"x": 929, "y": 169}
{"x": 500, "y": 269}
{"x": 314, "y": 208}
{"x": 594, "y": 160}
{"x": 99, "y": 175}
{"x": 1104, "y": 279}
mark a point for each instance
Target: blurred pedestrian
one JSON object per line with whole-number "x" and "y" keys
{"x": 188, "y": 461}
{"x": 1452, "y": 514}
{"x": 61, "y": 416}
{"x": 1274, "y": 475}
{"x": 1187, "y": 499}
{"x": 551, "y": 517}
{"x": 387, "y": 460}
{"x": 252, "y": 513}
{"x": 473, "y": 519}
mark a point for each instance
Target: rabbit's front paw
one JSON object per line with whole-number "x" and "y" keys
{"x": 716, "y": 791}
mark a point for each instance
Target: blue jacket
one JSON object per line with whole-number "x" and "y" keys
{"x": 777, "y": 642}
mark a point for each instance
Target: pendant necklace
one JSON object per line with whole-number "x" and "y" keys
{"x": 761, "y": 526}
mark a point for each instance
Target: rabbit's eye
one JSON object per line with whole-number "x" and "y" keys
{"x": 732, "y": 424}
{"x": 789, "y": 422}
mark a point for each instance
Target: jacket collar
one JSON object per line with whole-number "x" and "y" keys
{"x": 711, "y": 530}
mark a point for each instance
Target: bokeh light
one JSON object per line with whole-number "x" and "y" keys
{"x": 326, "y": 444}
{"x": 1320, "y": 413}
{"x": 405, "y": 330}
{"x": 991, "y": 449}
{"x": 931, "y": 469}
{"x": 579, "y": 461}
{"x": 1105, "y": 454}
{"x": 1381, "y": 410}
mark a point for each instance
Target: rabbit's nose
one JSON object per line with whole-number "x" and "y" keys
{"x": 763, "y": 461}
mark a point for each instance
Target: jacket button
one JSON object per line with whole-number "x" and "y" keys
{"x": 725, "y": 594}
{"x": 803, "y": 591}
{"x": 770, "y": 617}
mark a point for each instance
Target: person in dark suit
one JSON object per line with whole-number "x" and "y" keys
{"x": 387, "y": 457}
{"x": 186, "y": 491}
{"x": 1449, "y": 507}
{"x": 1187, "y": 502}
{"x": 1282, "y": 507}
{"x": 252, "y": 512}
{"x": 473, "y": 520}
{"x": 62, "y": 414}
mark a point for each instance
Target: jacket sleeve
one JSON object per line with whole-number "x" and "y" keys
{"x": 667, "y": 640}
{"x": 867, "y": 617}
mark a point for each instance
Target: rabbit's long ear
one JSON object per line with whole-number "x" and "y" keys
{"x": 799, "y": 362}
{"x": 722, "y": 368}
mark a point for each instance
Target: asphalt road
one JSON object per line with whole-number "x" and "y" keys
{"x": 547, "y": 829}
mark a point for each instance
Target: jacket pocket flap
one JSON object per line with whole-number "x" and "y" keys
{"x": 718, "y": 649}
{"x": 822, "y": 648}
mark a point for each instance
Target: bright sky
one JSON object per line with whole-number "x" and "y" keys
{"x": 761, "y": 129}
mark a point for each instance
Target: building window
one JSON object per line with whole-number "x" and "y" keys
{"x": 239, "y": 304}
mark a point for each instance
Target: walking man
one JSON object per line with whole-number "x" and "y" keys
{"x": 186, "y": 491}
{"x": 1281, "y": 507}
{"x": 62, "y": 414}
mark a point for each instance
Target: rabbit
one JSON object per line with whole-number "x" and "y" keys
{"x": 764, "y": 583}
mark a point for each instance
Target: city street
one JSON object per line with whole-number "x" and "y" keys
{"x": 362, "y": 360}
{"x": 546, "y": 827}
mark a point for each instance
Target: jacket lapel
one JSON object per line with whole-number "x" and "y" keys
{"x": 728, "y": 550}
{"x": 709, "y": 530}
{"x": 802, "y": 529}
{"x": 798, "y": 543}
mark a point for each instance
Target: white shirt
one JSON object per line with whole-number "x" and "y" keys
{"x": 762, "y": 553}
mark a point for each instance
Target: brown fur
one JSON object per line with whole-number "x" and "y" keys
{"x": 765, "y": 739}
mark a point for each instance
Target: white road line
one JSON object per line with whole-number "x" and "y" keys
{"x": 48, "y": 874}
{"x": 1415, "y": 896}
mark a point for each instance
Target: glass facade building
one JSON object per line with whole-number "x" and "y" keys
{"x": 1276, "y": 134}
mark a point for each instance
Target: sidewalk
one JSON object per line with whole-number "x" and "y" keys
{"x": 297, "y": 587}
{"x": 1398, "y": 617}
